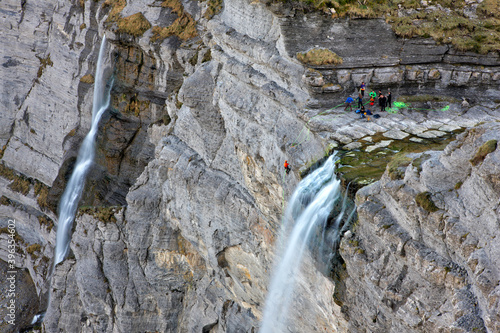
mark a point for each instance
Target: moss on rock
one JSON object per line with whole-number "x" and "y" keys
{"x": 424, "y": 200}
{"x": 135, "y": 25}
{"x": 488, "y": 147}
{"x": 319, "y": 56}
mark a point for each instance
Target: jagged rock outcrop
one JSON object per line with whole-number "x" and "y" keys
{"x": 424, "y": 254}
{"x": 192, "y": 149}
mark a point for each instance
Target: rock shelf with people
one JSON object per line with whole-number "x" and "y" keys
{"x": 370, "y": 137}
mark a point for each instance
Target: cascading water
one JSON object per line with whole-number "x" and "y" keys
{"x": 310, "y": 207}
{"x": 73, "y": 191}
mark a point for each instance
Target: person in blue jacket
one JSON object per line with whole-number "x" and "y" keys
{"x": 348, "y": 103}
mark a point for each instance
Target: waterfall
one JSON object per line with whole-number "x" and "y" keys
{"x": 73, "y": 191}
{"x": 310, "y": 207}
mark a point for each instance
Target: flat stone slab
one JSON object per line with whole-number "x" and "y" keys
{"x": 449, "y": 128}
{"x": 431, "y": 134}
{"x": 353, "y": 145}
{"x": 416, "y": 129}
{"x": 395, "y": 134}
{"x": 381, "y": 144}
{"x": 418, "y": 140}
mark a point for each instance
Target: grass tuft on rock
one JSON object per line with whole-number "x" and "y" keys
{"x": 6, "y": 172}
{"x": 424, "y": 200}
{"x": 319, "y": 56}
{"x": 395, "y": 167}
{"x": 444, "y": 21}
{"x": 116, "y": 8}
{"x": 214, "y": 8}
{"x": 4, "y": 201}
{"x": 31, "y": 249}
{"x": 46, "y": 221}
{"x": 42, "y": 192}
{"x": 488, "y": 147}
{"x": 135, "y": 25}
{"x": 20, "y": 184}
{"x": 89, "y": 78}
{"x": 183, "y": 27}
{"x": 103, "y": 214}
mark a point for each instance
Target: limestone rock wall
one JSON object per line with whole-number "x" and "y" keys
{"x": 190, "y": 152}
{"x": 418, "y": 262}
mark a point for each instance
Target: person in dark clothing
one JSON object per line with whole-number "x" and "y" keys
{"x": 389, "y": 99}
{"x": 360, "y": 101}
{"x": 366, "y": 113}
{"x": 382, "y": 101}
{"x": 362, "y": 89}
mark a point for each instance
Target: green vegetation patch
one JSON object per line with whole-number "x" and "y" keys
{"x": 319, "y": 56}
{"x": 135, "y": 25}
{"x": 427, "y": 98}
{"x": 424, "y": 200}
{"x": 397, "y": 165}
{"x": 488, "y": 147}
{"x": 446, "y": 24}
{"x": 103, "y": 214}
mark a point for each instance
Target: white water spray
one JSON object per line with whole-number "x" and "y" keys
{"x": 310, "y": 205}
{"x": 73, "y": 191}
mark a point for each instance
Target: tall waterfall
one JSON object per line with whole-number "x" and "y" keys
{"x": 310, "y": 207}
{"x": 73, "y": 191}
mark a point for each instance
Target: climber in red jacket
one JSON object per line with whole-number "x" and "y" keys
{"x": 287, "y": 167}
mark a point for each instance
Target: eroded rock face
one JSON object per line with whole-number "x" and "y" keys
{"x": 171, "y": 262}
{"x": 424, "y": 255}
{"x": 193, "y": 146}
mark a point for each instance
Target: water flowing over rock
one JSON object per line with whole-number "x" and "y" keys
{"x": 317, "y": 194}
{"x": 73, "y": 192}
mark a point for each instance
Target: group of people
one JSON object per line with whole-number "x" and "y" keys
{"x": 383, "y": 102}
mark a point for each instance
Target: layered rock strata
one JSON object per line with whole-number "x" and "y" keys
{"x": 424, "y": 254}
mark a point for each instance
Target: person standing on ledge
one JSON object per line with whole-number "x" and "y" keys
{"x": 382, "y": 100}
{"x": 348, "y": 103}
{"x": 362, "y": 89}
{"x": 389, "y": 99}
{"x": 360, "y": 101}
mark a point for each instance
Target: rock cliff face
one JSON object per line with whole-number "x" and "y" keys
{"x": 424, "y": 255}
{"x": 190, "y": 156}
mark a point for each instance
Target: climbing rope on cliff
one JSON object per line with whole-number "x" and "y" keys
{"x": 402, "y": 105}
